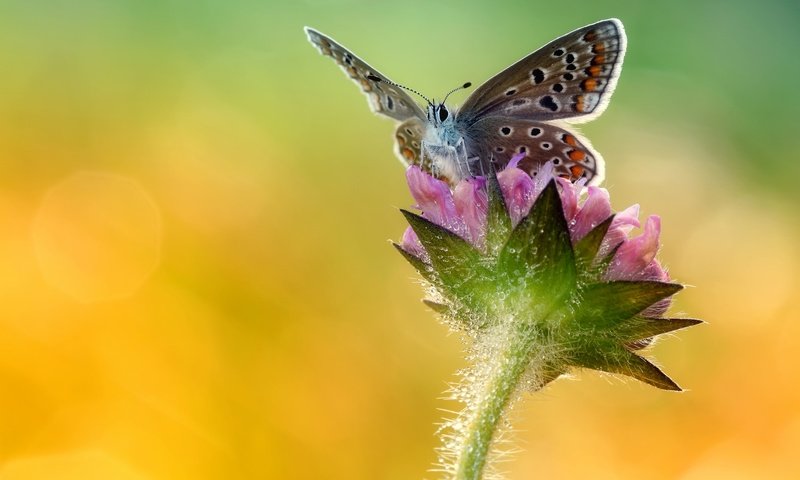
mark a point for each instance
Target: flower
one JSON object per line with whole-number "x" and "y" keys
{"x": 463, "y": 211}
{"x": 544, "y": 277}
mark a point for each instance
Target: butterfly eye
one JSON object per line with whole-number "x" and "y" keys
{"x": 443, "y": 113}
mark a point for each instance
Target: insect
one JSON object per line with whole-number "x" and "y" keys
{"x": 526, "y": 108}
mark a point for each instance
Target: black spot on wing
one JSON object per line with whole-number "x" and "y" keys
{"x": 538, "y": 75}
{"x": 548, "y": 103}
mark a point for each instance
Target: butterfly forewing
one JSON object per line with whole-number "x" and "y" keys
{"x": 570, "y": 78}
{"x": 498, "y": 139}
{"x": 383, "y": 98}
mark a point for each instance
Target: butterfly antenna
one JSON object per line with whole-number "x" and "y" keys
{"x": 462, "y": 87}
{"x": 379, "y": 79}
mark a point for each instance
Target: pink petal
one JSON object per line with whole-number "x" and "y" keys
{"x": 542, "y": 178}
{"x": 654, "y": 272}
{"x": 471, "y": 205}
{"x": 433, "y": 198}
{"x": 570, "y": 192}
{"x": 636, "y": 254}
{"x": 622, "y": 224}
{"x": 627, "y": 219}
{"x": 411, "y": 244}
{"x": 595, "y": 209}
{"x": 514, "y": 162}
{"x": 517, "y": 187}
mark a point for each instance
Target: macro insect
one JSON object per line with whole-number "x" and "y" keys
{"x": 528, "y": 108}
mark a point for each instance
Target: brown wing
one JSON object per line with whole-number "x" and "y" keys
{"x": 383, "y": 98}
{"x": 570, "y": 78}
{"x": 408, "y": 141}
{"x": 499, "y": 139}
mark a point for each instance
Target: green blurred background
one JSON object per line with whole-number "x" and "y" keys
{"x": 194, "y": 212}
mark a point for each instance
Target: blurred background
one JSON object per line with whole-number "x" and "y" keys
{"x": 195, "y": 275}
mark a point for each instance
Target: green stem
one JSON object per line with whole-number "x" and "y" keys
{"x": 498, "y": 391}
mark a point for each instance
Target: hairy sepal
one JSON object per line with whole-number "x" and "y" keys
{"x": 538, "y": 259}
{"x": 532, "y": 276}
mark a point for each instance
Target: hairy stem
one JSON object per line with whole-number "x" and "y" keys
{"x": 497, "y": 390}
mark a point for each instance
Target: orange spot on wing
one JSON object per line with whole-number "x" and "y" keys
{"x": 576, "y": 155}
{"x": 365, "y": 85}
{"x": 401, "y": 141}
{"x": 408, "y": 154}
{"x": 570, "y": 140}
{"x": 579, "y": 106}
{"x": 594, "y": 71}
{"x": 590, "y": 36}
{"x": 599, "y": 48}
{"x": 598, "y": 59}
{"x": 576, "y": 170}
{"x": 589, "y": 85}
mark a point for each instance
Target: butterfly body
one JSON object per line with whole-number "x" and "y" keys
{"x": 525, "y": 109}
{"x": 443, "y": 149}
{"x": 442, "y": 127}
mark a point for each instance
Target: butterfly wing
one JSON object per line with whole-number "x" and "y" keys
{"x": 570, "y": 78}
{"x": 383, "y": 98}
{"x": 408, "y": 142}
{"x": 500, "y": 138}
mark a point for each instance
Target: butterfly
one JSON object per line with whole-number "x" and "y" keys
{"x": 525, "y": 109}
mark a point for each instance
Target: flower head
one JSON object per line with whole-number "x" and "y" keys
{"x": 515, "y": 246}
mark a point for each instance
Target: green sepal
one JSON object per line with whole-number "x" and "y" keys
{"x": 539, "y": 249}
{"x": 439, "y": 308}
{"x": 600, "y": 266}
{"x": 605, "y": 305}
{"x": 640, "y": 328}
{"x": 455, "y": 263}
{"x": 615, "y": 358}
{"x": 419, "y": 265}
{"x": 587, "y": 248}
{"x": 498, "y": 221}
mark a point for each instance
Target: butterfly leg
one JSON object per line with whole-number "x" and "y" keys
{"x": 480, "y": 165}
{"x": 424, "y": 156}
{"x": 464, "y": 163}
{"x": 427, "y": 159}
{"x": 473, "y": 165}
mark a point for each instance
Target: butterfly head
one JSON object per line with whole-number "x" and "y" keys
{"x": 438, "y": 113}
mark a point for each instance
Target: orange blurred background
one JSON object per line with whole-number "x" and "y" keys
{"x": 195, "y": 277}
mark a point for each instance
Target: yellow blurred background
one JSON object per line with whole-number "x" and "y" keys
{"x": 195, "y": 278}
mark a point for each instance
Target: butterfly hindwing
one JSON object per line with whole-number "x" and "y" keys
{"x": 408, "y": 141}
{"x": 383, "y": 98}
{"x": 499, "y": 139}
{"x": 570, "y": 78}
